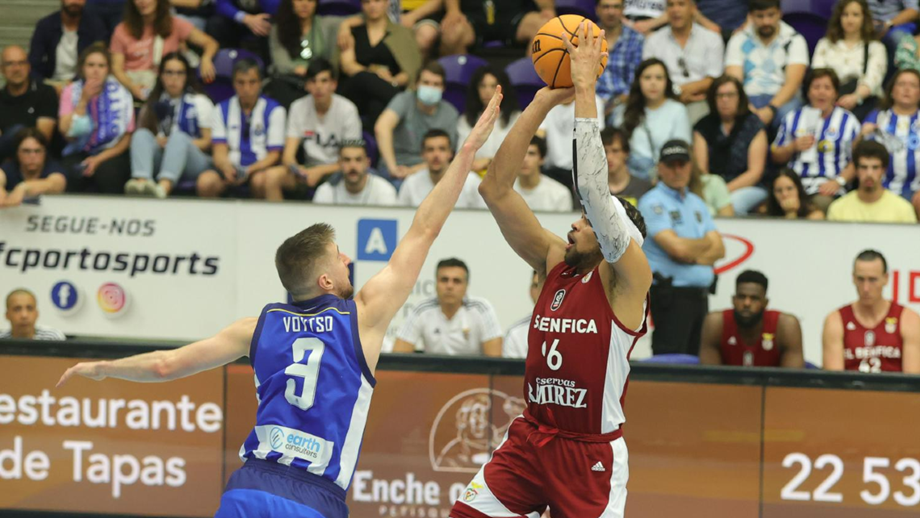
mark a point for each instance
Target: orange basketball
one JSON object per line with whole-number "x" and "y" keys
{"x": 550, "y": 58}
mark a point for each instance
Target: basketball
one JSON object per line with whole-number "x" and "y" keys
{"x": 550, "y": 59}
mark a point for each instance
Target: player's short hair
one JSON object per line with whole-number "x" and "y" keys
{"x": 752, "y": 277}
{"x": 871, "y": 255}
{"x": 871, "y": 149}
{"x": 635, "y": 216}
{"x": 541, "y": 145}
{"x": 244, "y": 65}
{"x": 320, "y": 65}
{"x": 297, "y": 256}
{"x": 19, "y": 291}
{"x": 610, "y": 133}
{"x": 353, "y": 143}
{"x": 453, "y": 262}
{"x": 436, "y": 133}
{"x": 763, "y": 5}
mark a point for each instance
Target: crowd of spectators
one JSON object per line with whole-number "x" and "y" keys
{"x": 711, "y": 108}
{"x": 120, "y": 100}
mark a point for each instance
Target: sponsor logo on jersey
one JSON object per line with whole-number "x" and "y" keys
{"x": 869, "y": 339}
{"x": 565, "y": 325}
{"x": 732, "y": 340}
{"x": 557, "y": 300}
{"x": 587, "y": 278}
{"x": 598, "y": 467}
{"x": 891, "y": 325}
{"x": 851, "y": 326}
{"x": 767, "y": 341}
{"x": 557, "y": 392}
{"x": 471, "y": 492}
{"x": 296, "y": 443}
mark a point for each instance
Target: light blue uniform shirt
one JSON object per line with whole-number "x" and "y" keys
{"x": 667, "y": 209}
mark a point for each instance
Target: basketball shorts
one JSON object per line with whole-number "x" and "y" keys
{"x": 268, "y": 489}
{"x": 533, "y": 469}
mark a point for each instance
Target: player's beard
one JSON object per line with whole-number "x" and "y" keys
{"x": 748, "y": 322}
{"x": 582, "y": 260}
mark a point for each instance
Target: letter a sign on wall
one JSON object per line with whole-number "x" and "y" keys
{"x": 376, "y": 239}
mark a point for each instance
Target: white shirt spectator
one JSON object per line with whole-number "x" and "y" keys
{"x": 42, "y": 332}
{"x": 515, "y": 343}
{"x": 849, "y": 62}
{"x": 765, "y": 66}
{"x": 65, "y": 56}
{"x": 473, "y": 324}
{"x": 644, "y": 8}
{"x": 701, "y": 56}
{"x": 322, "y": 135}
{"x": 249, "y": 140}
{"x": 377, "y": 191}
{"x": 417, "y": 186}
{"x": 548, "y": 196}
{"x": 490, "y": 148}
{"x": 559, "y": 125}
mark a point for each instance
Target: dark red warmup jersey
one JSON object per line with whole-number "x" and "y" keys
{"x": 578, "y": 356}
{"x": 763, "y": 353}
{"x": 872, "y": 350}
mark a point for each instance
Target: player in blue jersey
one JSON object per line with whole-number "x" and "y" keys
{"x": 314, "y": 359}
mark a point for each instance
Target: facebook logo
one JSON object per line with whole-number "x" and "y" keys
{"x": 376, "y": 239}
{"x": 65, "y": 297}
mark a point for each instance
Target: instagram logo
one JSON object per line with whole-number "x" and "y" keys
{"x": 112, "y": 299}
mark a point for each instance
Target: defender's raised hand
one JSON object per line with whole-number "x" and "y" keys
{"x": 486, "y": 122}
{"x": 586, "y": 57}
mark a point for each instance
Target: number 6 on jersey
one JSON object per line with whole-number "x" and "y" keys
{"x": 309, "y": 372}
{"x": 554, "y": 358}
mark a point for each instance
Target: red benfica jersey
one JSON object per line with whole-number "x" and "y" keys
{"x": 578, "y": 356}
{"x": 872, "y": 350}
{"x": 764, "y": 353}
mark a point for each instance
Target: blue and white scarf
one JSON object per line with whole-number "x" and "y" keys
{"x": 112, "y": 113}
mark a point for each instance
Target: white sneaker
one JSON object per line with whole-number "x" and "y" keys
{"x": 159, "y": 192}
{"x": 148, "y": 189}
{"x": 135, "y": 187}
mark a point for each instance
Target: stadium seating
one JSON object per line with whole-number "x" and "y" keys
{"x": 459, "y": 69}
{"x": 584, "y": 8}
{"x": 524, "y": 79}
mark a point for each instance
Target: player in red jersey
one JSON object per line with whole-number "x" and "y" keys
{"x": 749, "y": 335}
{"x": 872, "y": 334}
{"x": 567, "y": 451}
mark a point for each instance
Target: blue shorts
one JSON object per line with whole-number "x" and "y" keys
{"x": 265, "y": 489}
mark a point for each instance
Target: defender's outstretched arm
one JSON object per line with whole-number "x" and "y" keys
{"x": 383, "y": 295}
{"x": 226, "y": 346}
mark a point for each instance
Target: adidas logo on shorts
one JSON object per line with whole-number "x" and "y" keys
{"x": 598, "y": 467}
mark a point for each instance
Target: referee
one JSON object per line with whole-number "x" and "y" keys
{"x": 683, "y": 248}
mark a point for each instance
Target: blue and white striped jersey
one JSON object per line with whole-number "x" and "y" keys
{"x": 313, "y": 385}
{"x": 833, "y": 149}
{"x": 902, "y": 140}
{"x": 249, "y": 139}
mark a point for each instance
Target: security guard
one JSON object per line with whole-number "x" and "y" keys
{"x": 683, "y": 248}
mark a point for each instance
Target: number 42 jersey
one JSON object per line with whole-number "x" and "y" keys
{"x": 313, "y": 385}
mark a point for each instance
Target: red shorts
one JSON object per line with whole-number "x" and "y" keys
{"x": 532, "y": 470}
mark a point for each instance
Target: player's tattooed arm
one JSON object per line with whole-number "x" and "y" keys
{"x": 613, "y": 235}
